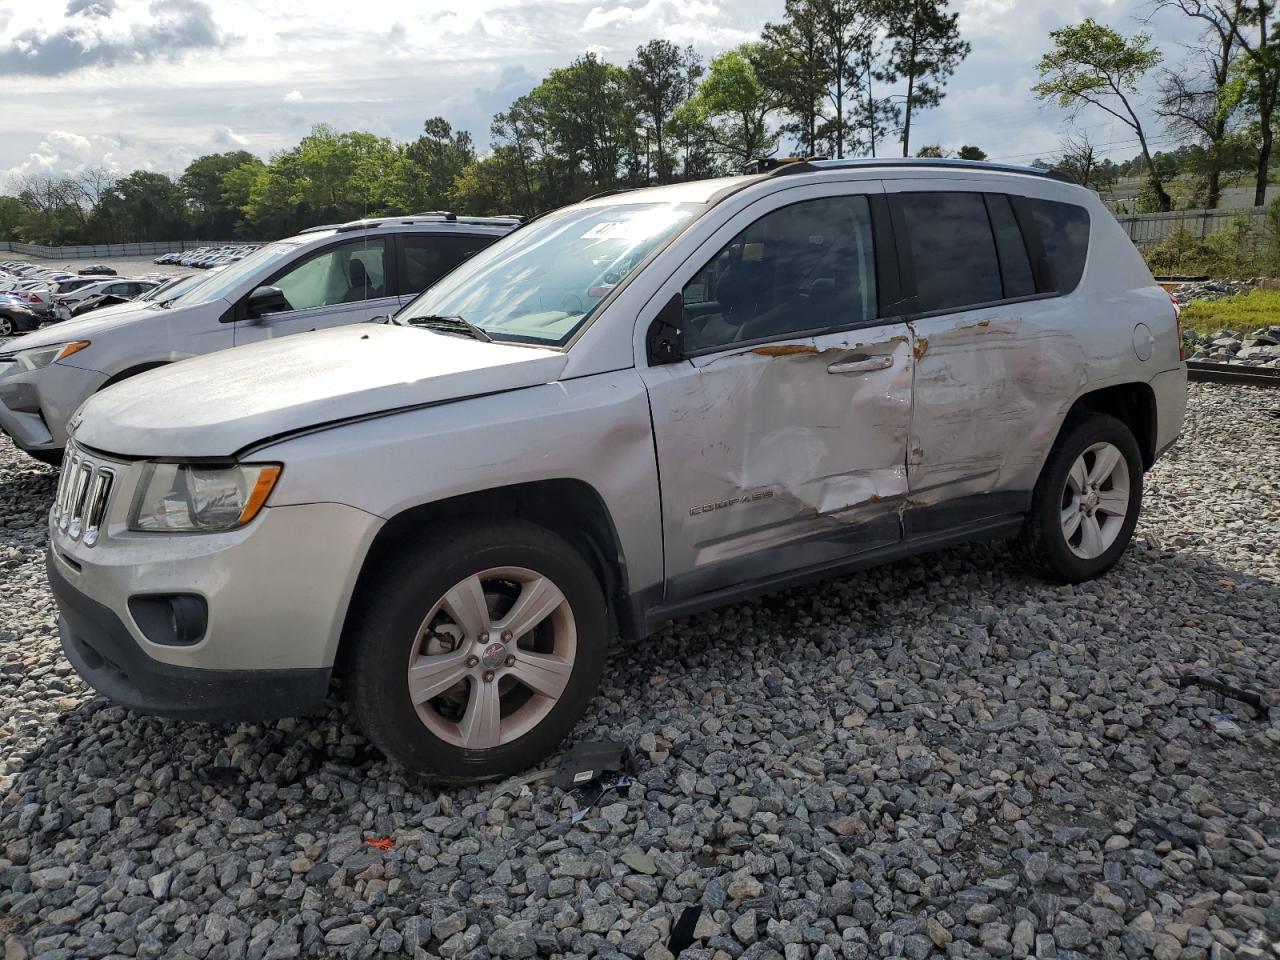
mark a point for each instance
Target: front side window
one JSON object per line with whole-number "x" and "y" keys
{"x": 805, "y": 267}
{"x": 952, "y": 250}
{"x": 1064, "y": 231}
{"x": 429, "y": 256}
{"x": 349, "y": 273}
{"x": 542, "y": 282}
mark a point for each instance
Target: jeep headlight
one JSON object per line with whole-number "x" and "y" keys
{"x": 38, "y": 357}
{"x": 190, "y": 498}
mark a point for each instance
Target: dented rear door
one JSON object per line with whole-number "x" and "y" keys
{"x": 995, "y": 355}
{"x": 781, "y": 442}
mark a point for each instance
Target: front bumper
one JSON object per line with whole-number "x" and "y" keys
{"x": 100, "y": 647}
{"x": 276, "y": 594}
{"x": 35, "y": 405}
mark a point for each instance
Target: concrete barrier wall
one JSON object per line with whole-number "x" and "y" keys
{"x": 86, "y": 252}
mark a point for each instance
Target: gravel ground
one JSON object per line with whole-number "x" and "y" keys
{"x": 942, "y": 756}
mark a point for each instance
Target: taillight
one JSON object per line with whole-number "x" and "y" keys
{"x": 1177, "y": 327}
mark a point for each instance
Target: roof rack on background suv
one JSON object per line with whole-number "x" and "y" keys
{"x": 410, "y": 219}
{"x": 786, "y": 167}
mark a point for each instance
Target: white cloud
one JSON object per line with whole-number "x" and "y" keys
{"x": 397, "y": 64}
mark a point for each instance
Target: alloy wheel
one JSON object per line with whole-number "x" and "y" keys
{"x": 492, "y": 657}
{"x": 1095, "y": 500}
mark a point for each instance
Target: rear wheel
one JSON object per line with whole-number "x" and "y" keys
{"x": 1086, "y": 502}
{"x": 476, "y": 652}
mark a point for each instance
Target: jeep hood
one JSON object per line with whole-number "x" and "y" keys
{"x": 218, "y": 404}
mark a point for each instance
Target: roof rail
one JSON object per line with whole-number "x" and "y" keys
{"x": 768, "y": 164}
{"x": 607, "y": 193}
{"x": 871, "y": 163}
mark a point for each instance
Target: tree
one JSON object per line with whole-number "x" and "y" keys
{"x": 147, "y": 205}
{"x": 435, "y": 160}
{"x": 53, "y": 212}
{"x": 11, "y": 211}
{"x": 584, "y": 109}
{"x": 736, "y": 106}
{"x": 1079, "y": 162}
{"x": 792, "y": 63}
{"x": 968, "y": 152}
{"x": 211, "y": 215}
{"x": 656, "y": 85}
{"x": 1257, "y": 35}
{"x": 925, "y": 49}
{"x": 874, "y": 118}
{"x": 1197, "y": 101}
{"x": 933, "y": 151}
{"x": 1093, "y": 65}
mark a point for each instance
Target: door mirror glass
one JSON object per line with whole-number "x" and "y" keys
{"x": 266, "y": 300}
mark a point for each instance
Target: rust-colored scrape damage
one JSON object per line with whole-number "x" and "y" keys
{"x": 785, "y": 350}
{"x": 921, "y": 347}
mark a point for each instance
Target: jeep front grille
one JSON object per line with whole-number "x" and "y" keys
{"x": 84, "y": 493}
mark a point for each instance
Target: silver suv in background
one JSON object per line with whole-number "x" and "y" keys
{"x": 630, "y": 409}
{"x": 321, "y": 278}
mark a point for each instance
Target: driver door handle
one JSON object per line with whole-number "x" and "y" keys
{"x": 862, "y": 364}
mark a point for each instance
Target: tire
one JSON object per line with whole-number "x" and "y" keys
{"x": 1069, "y": 536}
{"x": 52, "y": 457}
{"x": 7, "y": 326}
{"x": 417, "y": 611}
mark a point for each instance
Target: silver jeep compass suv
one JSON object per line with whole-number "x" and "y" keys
{"x": 625, "y": 410}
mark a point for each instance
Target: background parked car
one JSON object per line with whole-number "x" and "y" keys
{"x": 99, "y": 269}
{"x": 16, "y": 317}
{"x": 127, "y": 289}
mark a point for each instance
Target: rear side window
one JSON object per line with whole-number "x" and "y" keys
{"x": 1015, "y": 265}
{"x": 429, "y": 256}
{"x": 952, "y": 250}
{"x": 1064, "y": 231}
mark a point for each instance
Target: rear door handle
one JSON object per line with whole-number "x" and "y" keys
{"x": 862, "y": 364}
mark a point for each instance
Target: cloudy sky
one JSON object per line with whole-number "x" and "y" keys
{"x": 124, "y": 84}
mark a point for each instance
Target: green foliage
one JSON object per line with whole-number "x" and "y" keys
{"x": 11, "y": 213}
{"x": 1243, "y": 249}
{"x": 1242, "y": 312}
{"x": 924, "y": 50}
{"x": 968, "y": 152}
{"x": 1093, "y": 65}
{"x": 734, "y": 105}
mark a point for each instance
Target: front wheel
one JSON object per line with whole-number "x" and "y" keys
{"x": 1086, "y": 502}
{"x": 6, "y": 326}
{"x": 477, "y": 651}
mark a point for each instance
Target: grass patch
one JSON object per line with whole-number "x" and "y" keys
{"x": 1244, "y": 313}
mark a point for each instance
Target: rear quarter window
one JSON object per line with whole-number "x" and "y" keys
{"x": 1064, "y": 232}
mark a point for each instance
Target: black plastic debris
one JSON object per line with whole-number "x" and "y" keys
{"x": 585, "y": 762}
{"x": 1225, "y": 691}
{"x": 682, "y": 933}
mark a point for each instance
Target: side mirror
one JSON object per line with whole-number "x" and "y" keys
{"x": 266, "y": 300}
{"x": 664, "y": 343}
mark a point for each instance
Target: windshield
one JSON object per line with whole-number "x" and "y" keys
{"x": 541, "y": 283}
{"x": 225, "y": 281}
{"x": 175, "y": 288}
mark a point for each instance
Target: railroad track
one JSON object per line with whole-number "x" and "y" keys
{"x": 1206, "y": 371}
